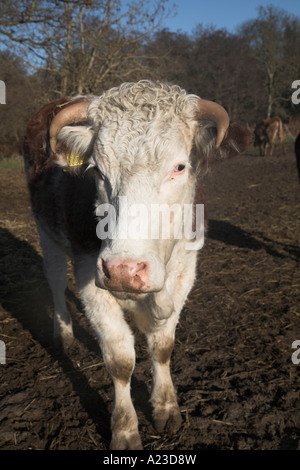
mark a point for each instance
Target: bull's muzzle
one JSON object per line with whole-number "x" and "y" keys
{"x": 128, "y": 275}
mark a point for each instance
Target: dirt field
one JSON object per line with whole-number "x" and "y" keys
{"x": 237, "y": 385}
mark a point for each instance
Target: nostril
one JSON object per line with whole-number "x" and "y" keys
{"x": 140, "y": 267}
{"x": 105, "y": 269}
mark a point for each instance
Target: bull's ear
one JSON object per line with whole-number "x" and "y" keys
{"x": 235, "y": 141}
{"x": 74, "y": 145}
{"x": 216, "y": 136}
{"x": 71, "y": 144}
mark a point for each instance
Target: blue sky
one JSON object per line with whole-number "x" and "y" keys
{"x": 226, "y": 14}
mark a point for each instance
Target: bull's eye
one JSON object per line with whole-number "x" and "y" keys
{"x": 179, "y": 168}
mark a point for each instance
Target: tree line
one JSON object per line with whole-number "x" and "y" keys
{"x": 60, "y": 48}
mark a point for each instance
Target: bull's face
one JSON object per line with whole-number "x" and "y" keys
{"x": 146, "y": 172}
{"x": 143, "y": 182}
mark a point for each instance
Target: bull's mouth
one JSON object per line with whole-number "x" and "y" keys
{"x": 124, "y": 294}
{"x": 129, "y": 295}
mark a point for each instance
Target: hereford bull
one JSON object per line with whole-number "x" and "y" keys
{"x": 146, "y": 142}
{"x": 265, "y": 134}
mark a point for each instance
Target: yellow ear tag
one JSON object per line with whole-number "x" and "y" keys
{"x": 74, "y": 159}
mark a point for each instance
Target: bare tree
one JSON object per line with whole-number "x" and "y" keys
{"x": 81, "y": 44}
{"x": 23, "y": 96}
{"x": 272, "y": 36}
{"x": 169, "y": 56}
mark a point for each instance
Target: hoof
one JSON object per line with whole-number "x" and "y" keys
{"x": 126, "y": 441}
{"x": 167, "y": 420}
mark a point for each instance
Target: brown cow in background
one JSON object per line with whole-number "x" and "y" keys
{"x": 265, "y": 134}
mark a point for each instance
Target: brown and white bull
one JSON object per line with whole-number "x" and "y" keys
{"x": 265, "y": 134}
{"x": 148, "y": 143}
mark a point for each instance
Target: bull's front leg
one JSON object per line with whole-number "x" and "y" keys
{"x": 120, "y": 360}
{"x": 166, "y": 413}
{"x": 161, "y": 337}
{"x": 117, "y": 345}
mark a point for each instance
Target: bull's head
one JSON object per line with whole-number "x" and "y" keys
{"x": 145, "y": 142}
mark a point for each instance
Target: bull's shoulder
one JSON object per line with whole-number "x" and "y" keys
{"x": 65, "y": 204}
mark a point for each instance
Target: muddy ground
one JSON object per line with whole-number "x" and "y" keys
{"x": 237, "y": 385}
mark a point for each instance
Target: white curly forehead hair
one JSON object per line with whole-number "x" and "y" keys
{"x": 165, "y": 108}
{"x": 147, "y": 97}
{"x": 142, "y": 118}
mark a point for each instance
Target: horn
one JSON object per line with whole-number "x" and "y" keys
{"x": 208, "y": 110}
{"x": 76, "y": 112}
